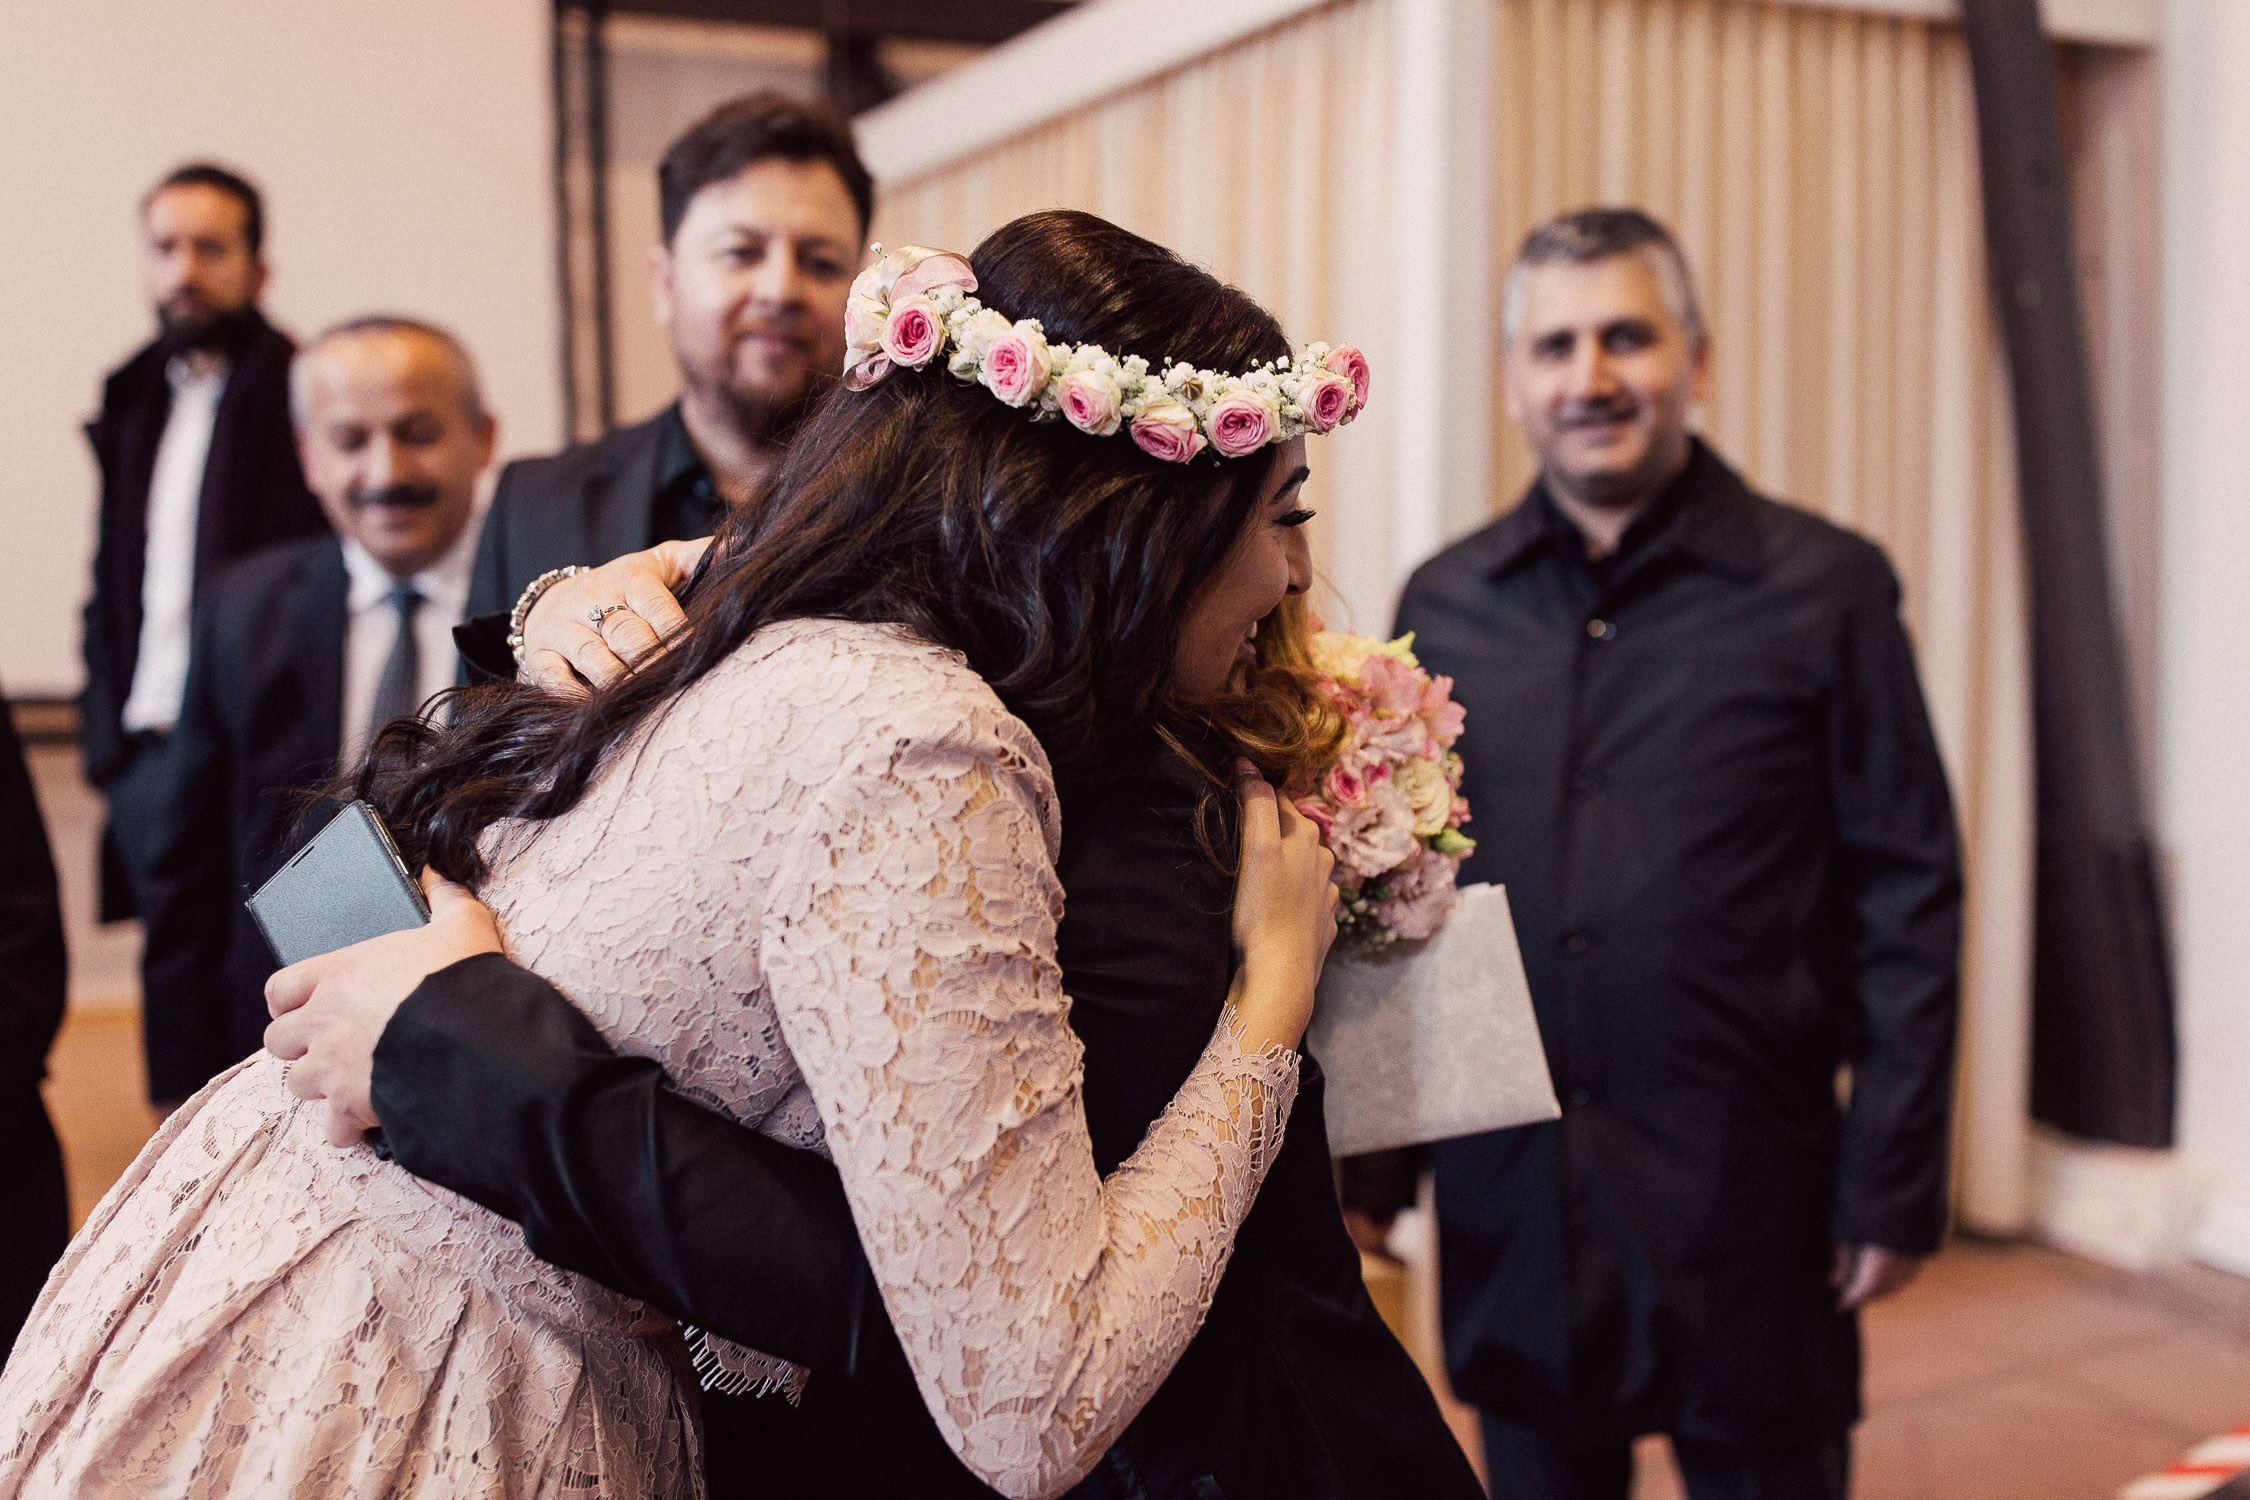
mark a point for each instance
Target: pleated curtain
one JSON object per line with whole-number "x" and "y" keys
{"x": 1819, "y": 166}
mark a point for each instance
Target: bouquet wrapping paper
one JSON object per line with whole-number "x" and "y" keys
{"x": 1427, "y": 1039}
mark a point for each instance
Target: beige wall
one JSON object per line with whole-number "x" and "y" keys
{"x": 2205, "y": 653}
{"x": 404, "y": 152}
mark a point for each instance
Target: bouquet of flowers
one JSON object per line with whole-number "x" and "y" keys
{"x": 1390, "y": 806}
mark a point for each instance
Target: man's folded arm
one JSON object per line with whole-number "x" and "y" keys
{"x": 490, "y": 1083}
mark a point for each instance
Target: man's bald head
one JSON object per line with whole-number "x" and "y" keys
{"x": 393, "y": 432}
{"x": 392, "y": 326}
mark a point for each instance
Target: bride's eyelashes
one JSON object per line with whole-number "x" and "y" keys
{"x": 1297, "y": 517}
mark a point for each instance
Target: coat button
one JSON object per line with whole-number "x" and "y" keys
{"x": 1576, "y": 941}
{"x": 1601, "y": 630}
{"x": 1580, "y": 1097}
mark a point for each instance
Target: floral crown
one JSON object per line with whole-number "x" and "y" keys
{"x": 913, "y": 306}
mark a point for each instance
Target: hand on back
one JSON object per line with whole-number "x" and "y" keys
{"x": 577, "y": 634}
{"x": 329, "y": 1012}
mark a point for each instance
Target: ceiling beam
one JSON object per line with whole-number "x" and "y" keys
{"x": 979, "y": 22}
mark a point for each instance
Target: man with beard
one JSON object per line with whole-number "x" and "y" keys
{"x": 764, "y": 206}
{"x": 1701, "y": 764}
{"x": 197, "y": 469}
{"x": 300, "y": 653}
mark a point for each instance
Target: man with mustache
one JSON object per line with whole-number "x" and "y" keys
{"x": 197, "y": 469}
{"x": 1701, "y": 764}
{"x": 300, "y": 653}
{"x": 764, "y": 207}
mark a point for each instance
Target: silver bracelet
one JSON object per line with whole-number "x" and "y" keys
{"x": 529, "y": 597}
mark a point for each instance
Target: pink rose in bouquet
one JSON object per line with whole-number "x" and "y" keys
{"x": 1389, "y": 807}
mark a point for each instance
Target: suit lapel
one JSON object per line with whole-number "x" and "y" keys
{"x": 621, "y": 500}
{"x": 320, "y": 607}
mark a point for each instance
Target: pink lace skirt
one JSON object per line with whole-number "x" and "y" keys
{"x": 251, "y": 1311}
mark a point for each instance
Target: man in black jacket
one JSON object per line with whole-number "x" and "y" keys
{"x": 300, "y": 652}
{"x": 1700, "y": 762}
{"x": 31, "y": 1009}
{"x": 198, "y": 468}
{"x": 764, "y": 207}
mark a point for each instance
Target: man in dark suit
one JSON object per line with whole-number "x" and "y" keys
{"x": 300, "y": 653}
{"x": 1701, "y": 763}
{"x": 198, "y": 468}
{"x": 764, "y": 205}
{"x": 31, "y": 1009}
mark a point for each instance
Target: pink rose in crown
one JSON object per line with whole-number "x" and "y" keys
{"x": 900, "y": 277}
{"x": 1242, "y": 421}
{"x": 913, "y": 332}
{"x": 1348, "y": 362}
{"x": 1015, "y": 365}
{"x": 1091, "y": 402}
{"x": 1327, "y": 400}
{"x": 1420, "y": 895}
{"x": 1165, "y": 429}
{"x": 974, "y": 337}
{"x": 1345, "y": 786}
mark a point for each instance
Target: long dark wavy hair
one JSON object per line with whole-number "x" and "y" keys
{"x": 1061, "y": 565}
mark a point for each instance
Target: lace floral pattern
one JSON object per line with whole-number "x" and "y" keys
{"x": 820, "y": 890}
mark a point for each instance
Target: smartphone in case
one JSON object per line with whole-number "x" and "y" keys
{"x": 346, "y": 886}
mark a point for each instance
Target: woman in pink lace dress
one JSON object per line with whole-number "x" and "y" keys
{"x": 824, "y": 830}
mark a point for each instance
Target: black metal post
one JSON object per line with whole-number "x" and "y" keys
{"x": 559, "y": 77}
{"x": 595, "y": 48}
{"x": 2103, "y": 1044}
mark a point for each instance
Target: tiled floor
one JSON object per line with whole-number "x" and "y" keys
{"x": 2007, "y": 1372}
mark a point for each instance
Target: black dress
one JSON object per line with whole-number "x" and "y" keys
{"x": 31, "y": 1009}
{"x": 1293, "y": 1387}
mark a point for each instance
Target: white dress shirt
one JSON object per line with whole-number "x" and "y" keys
{"x": 372, "y": 628}
{"x": 175, "y": 503}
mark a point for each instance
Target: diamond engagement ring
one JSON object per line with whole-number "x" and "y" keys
{"x": 594, "y": 617}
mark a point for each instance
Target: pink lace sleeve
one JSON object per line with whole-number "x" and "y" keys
{"x": 910, "y": 951}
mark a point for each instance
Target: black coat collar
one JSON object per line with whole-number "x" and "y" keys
{"x": 1715, "y": 522}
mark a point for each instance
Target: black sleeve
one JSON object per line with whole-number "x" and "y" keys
{"x": 1381, "y": 1183}
{"x": 32, "y": 970}
{"x": 482, "y": 641}
{"x": 490, "y": 1083}
{"x": 1900, "y": 888}
{"x": 187, "y": 899}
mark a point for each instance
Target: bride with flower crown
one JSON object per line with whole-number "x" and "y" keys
{"x": 806, "y": 860}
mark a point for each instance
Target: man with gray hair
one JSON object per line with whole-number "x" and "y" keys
{"x": 1701, "y": 764}
{"x": 298, "y": 654}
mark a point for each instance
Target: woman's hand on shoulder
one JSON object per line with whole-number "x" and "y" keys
{"x": 330, "y": 1011}
{"x": 1284, "y": 913}
{"x": 596, "y": 626}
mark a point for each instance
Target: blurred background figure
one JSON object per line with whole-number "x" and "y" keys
{"x": 32, "y": 970}
{"x": 1706, "y": 776}
{"x": 197, "y": 469}
{"x": 300, "y": 653}
{"x": 764, "y": 209}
